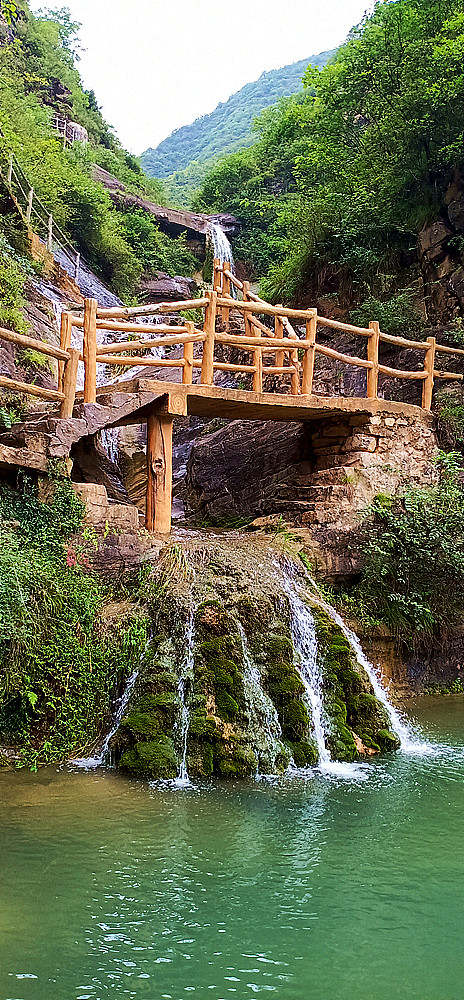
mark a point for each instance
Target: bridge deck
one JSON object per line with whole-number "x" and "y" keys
{"x": 239, "y": 404}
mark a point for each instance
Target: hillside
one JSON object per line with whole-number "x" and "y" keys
{"x": 229, "y": 126}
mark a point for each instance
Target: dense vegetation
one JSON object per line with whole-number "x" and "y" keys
{"x": 337, "y": 185}
{"x": 38, "y": 78}
{"x": 413, "y": 576}
{"x": 229, "y": 126}
{"x": 60, "y": 659}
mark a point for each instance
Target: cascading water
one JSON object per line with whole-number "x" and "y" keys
{"x": 408, "y": 743}
{"x": 305, "y": 645}
{"x": 120, "y": 707}
{"x": 185, "y": 683}
{"x": 220, "y": 245}
{"x": 263, "y": 715}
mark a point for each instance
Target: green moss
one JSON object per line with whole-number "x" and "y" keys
{"x": 349, "y": 701}
{"x": 304, "y": 753}
{"x": 154, "y": 759}
{"x": 139, "y": 723}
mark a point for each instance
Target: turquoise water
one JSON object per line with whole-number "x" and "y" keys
{"x": 318, "y": 889}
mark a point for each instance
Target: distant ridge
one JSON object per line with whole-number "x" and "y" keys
{"x": 228, "y": 127}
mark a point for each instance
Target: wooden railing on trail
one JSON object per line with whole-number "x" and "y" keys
{"x": 274, "y": 350}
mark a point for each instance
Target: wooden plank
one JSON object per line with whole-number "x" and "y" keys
{"x": 449, "y": 350}
{"x": 397, "y": 373}
{"x": 419, "y": 345}
{"x": 187, "y": 373}
{"x": 279, "y": 334}
{"x": 69, "y": 384}
{"x": 116, "y": 312}
{"x": 209, "y": 329}
{"x": 141, "y": 345}
{"x": 159, "y": 469}
{"x": 429, "y": 368}
{"x": 269, "y": 345}
{"x": 345, "y": 358}
{"x": 121, "y": 327}
{"x": 335, "y": 324}
{"x": 31, "y": 390}
{"x": 373, "y": 356}
{"x": 124, "y": 361}
{"x": 36, "y": 345}
{"x": 90, "y": 350}
{"x": 259, "y": 306}
{"x": 308, "y": 357}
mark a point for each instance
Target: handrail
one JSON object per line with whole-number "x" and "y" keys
{"x": 68, "y": 359}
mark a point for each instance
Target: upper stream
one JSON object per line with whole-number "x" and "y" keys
{"x": 322, "y": 889}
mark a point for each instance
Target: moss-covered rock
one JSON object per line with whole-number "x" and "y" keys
{"x": 349, "y": 700}
{"x": 153, "y": 759}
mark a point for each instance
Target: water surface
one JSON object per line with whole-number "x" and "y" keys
{"x": 319, "y": 889}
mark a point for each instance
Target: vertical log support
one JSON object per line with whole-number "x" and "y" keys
{"x": 90, "y": 350}
{"x": 217, "y": 276}
{"x": 65, "y": 344}
{"x": 309, "y": 355}
{"x": 159, "y": 469}
{"x": 50, "y": 234}
{"x": 373, "y": 355}
{"x": 250, "y": 330}
{"x": 69, "y": 384}
{"x": 226, "y": 292}
{"x": 209, "y": 329}
{"x": 187, "y": 371}
{"x": 258, "y": 372}
{"x": 279, "y": 333}
{"x": 429, "y": 366}
{"x": 29, "y": 205}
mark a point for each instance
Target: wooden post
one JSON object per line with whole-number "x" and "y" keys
{"x": 217, "y": 275}
{"x": 90, "y": 350}
{"x": 250, "y": 329}
{"x": 69, "y": 384}
{"x": 65, "y": 344}
{"x": 209, "y": 328}
{"x": 373, "y": 355}
{"x": 309, "y": 354}
{"x": 429, "y": 366}
{"x": 159, "y": 468}
{"x": 187, "y": 371}
{"x": 9, "y": 176}
{"x": 225, "y": 291}
{"x": 295, "y": 376}
{"x": 258, "y": 373}
{"x": 279, "y": 332}
{"x": 50, "y": 233}
{"x": 29, "y": 205}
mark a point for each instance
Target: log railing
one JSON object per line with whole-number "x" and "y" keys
{"x": 68, "y": 360}
{"x": 274, "y": 350}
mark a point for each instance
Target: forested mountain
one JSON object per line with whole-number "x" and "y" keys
{"x": 354, "y": 189}
{"x": 229, "y": 126}
{"x": 38, "y": 80}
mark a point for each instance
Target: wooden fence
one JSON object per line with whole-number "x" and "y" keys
{"x": 274, "y": 346}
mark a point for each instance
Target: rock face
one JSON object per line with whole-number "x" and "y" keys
{"x": 317, "y": 475}
{"x": 220, "y": 692}
{"x": 441, "y": 259}
{"x": 161, "y": 288}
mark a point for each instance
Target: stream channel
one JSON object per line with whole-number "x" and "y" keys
{"x": 314, "y": 888}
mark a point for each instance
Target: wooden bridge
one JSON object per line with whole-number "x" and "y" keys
{"x": 280, "y": 368}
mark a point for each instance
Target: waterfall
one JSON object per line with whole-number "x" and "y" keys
{"x": 262, "y": 711}
{"x": 305, "y": 645}
{"x": 399, "y": 727}
{"x": 185, "y": 683}
{"x": 119, "y": 708}
{"x": 219, "y": 243}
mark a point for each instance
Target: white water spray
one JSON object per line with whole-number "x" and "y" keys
{"x": 185, "y": 682}
{"x": 220, "y": 245}
{"x": 305, "y": 645}
{"x": 262, "y": 711}
{"x": 89, "y": 763}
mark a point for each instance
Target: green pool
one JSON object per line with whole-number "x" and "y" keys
{"x": 329, "y": 888}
